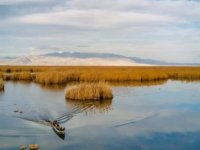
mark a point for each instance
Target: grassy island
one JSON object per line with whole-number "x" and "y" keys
{"x": 89, "y": 91}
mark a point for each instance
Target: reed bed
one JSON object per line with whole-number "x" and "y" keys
{"x": 90, "y": 91}
{"x": 50, "y": 78}
{"x": 1, "y": 75}
{"x": 1, "y": 85}
{"x": 63, "y": 75}
{"x": 10, "y": 69}
{"x": 24, "y": 76}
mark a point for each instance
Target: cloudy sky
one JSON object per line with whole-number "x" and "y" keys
{"x": 158, "y": 29}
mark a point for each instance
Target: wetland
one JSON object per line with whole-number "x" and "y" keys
{"x": 157, "y": 115}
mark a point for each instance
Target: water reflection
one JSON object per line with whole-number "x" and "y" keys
{"x": 128, "y": 83}
{"x": 53, "y": 87}
{"x": 138, "y": 83}
{"x": 165, "y": 116}
{"x": 187, "y": 80}
{"x": 24, "y": 82}
{"x": 102, "y": 106}
{"x": 1, "y": 92}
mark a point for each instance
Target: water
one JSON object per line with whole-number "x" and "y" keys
{"x": 165, "y": 116}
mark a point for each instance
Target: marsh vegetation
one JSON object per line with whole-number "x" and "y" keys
{"x": 134, "y": 113}
{"x": 1, "y": 85}
{"x": 62, "y": 75}
{"x": 89, "y": 91}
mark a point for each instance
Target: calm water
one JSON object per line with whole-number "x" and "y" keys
{"x": 153, "y": 117}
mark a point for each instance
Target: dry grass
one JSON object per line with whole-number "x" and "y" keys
{"x": 18, "y": 76}
{"x": 89, "y": 91}
{"x": 94, "y": 74}
{"x": 1, "y": 75}
{"x": 62, "y": 75}
{"x": 25, "y": 76}
{"x": 1, "y": 85}
{"x": 10, "y": 69}
{"x": 49, "y": 78}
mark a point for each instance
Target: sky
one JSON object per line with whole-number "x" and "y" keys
{"x": 166, "y": 30}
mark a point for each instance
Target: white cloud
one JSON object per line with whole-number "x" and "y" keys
{"x": 9, "y": 2}
{"x": 181, "y": 8}
{"x": 95, "y": 14}
{"x": 145, "y": 28}
{"x": 97, "y": 19}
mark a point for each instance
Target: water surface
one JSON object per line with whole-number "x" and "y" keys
{"x": 160, "y": 116}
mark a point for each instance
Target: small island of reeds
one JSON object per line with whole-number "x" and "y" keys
{"x": 89, "y": 91}
{"x": 1, "y": 85}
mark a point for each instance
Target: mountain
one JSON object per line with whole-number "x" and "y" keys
{"x": 136, "y": 60}
{"x": 85, "y": 59}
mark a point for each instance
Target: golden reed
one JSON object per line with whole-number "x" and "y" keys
{"x": 21, "y": 76}
{"x": 89, "y": 91}
{"x": 1, "y": 85}
{"x": 62, "y": 75}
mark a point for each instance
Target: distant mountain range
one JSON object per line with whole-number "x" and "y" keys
{"x": 84, "y": 59}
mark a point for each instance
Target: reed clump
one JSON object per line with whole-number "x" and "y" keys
{"x": 24, "y": 76}
{"x": 1, "y": 85}
{"x": 1, "y": 75}
{"x": 90, "y": 91}
{"x": 50, "y": 78}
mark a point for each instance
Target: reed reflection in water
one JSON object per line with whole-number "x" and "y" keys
{"x": 102, "y": 106}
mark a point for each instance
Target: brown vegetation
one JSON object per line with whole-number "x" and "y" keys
{"x": 89, "y": 91}
{"x": 10, "y": 69}
{"x": 1, "y": 85}
{"x": 62, "y": 75}
{"x": 1, "y": 75}
{"x": 49, "y": 78}
{"x": 25, "y": 76}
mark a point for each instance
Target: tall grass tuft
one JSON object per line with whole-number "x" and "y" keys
{"x": 1, "y": 85}
{"x": 25, "y": 76}
{"x": 90, "y": 91}
{"x": 50, "y": 78}
{"x": 1, "y": 75}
